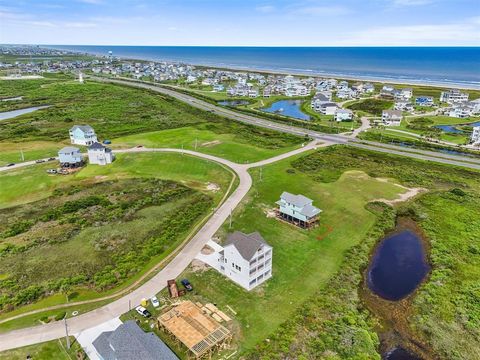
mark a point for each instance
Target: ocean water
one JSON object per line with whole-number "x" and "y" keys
{"x": 435, "y": 65}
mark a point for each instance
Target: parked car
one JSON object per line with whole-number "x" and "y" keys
{"x": 107, "y": 142}
{"x": 186, "y": 284}
{"x": 11, "y": 164}
{"x": 154, "y": 301}
{"x": 39, "y": 161}
{"x": 51, "y": 171}
{"x": 142, "y": 311}
{"x": 51, "y": 159}
{"x": 139, "y": 146}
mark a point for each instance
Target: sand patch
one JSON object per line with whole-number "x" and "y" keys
{"x": 198, "y": 266}
{"x": 213, "y": 187}
{"x": 211, "y": 143}
{"x": 409, "y": 194}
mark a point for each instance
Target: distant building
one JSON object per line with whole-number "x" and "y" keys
{"x": 82, "y": 135}
{"x": 343, "y": 115}
{"x": 475, "y": 139}
{"x": 130, "y": 342}
{"x": 70, "y": 156}
{"x": 298, "y": 210}
{"x": 326, "y": 108}
{"x": 424, "y": 101}
{"x": 453, "y": 96}
{"x": 218, "y": 87}
{"x": 99, "y": 154}
{"x": 460, "y": 112}
{"x": 403, "y": 106}
{"x": 392, "y": 117}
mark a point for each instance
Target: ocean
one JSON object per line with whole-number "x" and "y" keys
{"x": 459, "y": 66}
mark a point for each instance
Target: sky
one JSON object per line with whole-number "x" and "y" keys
{"x": 241, "y": 22}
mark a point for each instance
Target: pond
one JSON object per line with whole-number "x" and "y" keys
{"x": 451, "y": 129}
{"x": 399, "y": 353}
{"x": 398, "y": 266}
{"x": 14, "y": 113}
{"x": 233, "y": 102}
{"x": 290, "y": 108}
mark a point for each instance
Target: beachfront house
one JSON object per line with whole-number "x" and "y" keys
{"x": 392, "y": 117}
{"x": 461, "y": 112}
{"x": 475, "y": 139}
{"x": 403, "y": 106}
{"x": 70, "y": 157}
{"x": 298, "y": 210}
{"x": 343, "y": 115}
{"x": 99, "y": 154}
{"x": 327, "y": 108}
{"x": 424, "y": 101}
{"x": 405, "y": 93}
{"x": 82, "y": 135}
{"x": 453, "y": 96}
{"x": 127, "y": 342}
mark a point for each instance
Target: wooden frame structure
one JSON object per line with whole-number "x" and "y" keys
{"x": 291, "y": 220}
{"x": 199, "y": 332}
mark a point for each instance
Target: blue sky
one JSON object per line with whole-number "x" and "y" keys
{"x": 242, "y": 22}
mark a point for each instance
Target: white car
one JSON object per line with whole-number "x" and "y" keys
{"x": 142, "y": 311}
{"x": 154, "y": 301}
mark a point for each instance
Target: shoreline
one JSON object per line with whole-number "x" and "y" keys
{"x": 303, "y": 73}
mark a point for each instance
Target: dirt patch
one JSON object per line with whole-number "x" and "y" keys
{"x": 213, "y": 187}
{"x": 198, "y": 266}
{"x": 270, "y": 213}
{"x": 211, "y": 143}
{"x": 207, "y": 250}
{"x": 409, "y": 194}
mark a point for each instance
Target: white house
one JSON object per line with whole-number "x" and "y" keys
{"x": 403, "y": 106}
{"x": 343, "y": 115}
{"x": 392, "y": 117}
{"x": 246, "y": 259}
{"x": 297, "y": 209}
{"x": 406, "y": 93}
{"x": 475, "y": 139}
{"x": 99, "y": 154}
{"x": 460, "y": 112}
{"x": 326, "y": 108}
{"x": 70, "y": 156}
{"x": 453, "y": 96}
{"x": 82, "y": 135}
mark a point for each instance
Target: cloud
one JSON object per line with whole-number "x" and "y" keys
{"x": 417, "y": 35}
{"x": 322, "y": 10}
{"x": 411, "y": 2}
{"x": 265, "y": 9}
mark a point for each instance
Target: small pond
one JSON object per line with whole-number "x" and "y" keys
{"x": 449, "y": 129}
{"x": 290, "y": 108}
{"x": 233, "y": 102}
{"x": 14, "y": 113}
{"x": 444, "y": 151}
{"x": 398, "y": 266}
{"x": 399, "y": 353}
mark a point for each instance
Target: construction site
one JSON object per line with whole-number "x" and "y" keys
{"x": 198, "y": 327}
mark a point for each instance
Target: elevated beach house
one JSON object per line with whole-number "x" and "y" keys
{"x": 70, "y": 157}
{"x": 246, "y": 259}
{"x": 392, "y": 117}
{"x": 82, "y": 135}
{"x": 99, "y": 154}
{"x": 298, "y": 210}
{"x": 343, "y": 115}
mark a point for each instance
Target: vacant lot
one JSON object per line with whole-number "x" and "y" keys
{"x": 371, "y": 106}
{"x": 55, "y": 349}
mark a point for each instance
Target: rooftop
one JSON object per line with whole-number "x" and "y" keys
{"x": 247, "y": 245}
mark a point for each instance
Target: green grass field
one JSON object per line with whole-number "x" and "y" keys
{"x": 55, "y": 349}
{"x": 303, "y": 261}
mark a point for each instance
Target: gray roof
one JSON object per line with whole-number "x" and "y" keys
{"x": 84, "y": 128}
{"x": 130, "y": 342}
{"x": 396, "y": 113}
{"x": 68, "y": 150}
{"x": 96, "y": 145}
{"x": 247, "y": 245}
{"x": 296, "y": 200}
{"x": 302, "y": 202}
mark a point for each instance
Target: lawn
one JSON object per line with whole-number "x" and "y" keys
{"x": 224, "y": 145}
{"x": 12, "y": 152}
{"x": 371, "y": 106}
{"x": 303, "y": 261}
{"x": 55, "y": 349}
{"x": 76, "y": 232}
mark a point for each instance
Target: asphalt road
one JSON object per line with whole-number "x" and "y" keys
{"x": 426, "y": 155}
{"x": 173, "y": 269}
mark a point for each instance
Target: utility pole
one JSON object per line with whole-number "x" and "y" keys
{"x": 66, "y": 333}
{"x": 196, "y": 141}
{"x": 129, "y": 305}
{"x": 261, "y": 174}
{"x": 23, "y": 157}
{"x": 230, "y": 226}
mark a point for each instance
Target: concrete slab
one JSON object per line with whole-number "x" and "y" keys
{"x": 86, "y": 337}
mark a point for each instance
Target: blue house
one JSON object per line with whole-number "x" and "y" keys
{"x": 82, "y": 135}
{"x": 424, "y": 101}
{"x": 70, "y": 156}
{"x": 298, "y": 210}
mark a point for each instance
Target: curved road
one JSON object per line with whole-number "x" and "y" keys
{"x": 179, "y": 263}
{"x": 426, "y": 155}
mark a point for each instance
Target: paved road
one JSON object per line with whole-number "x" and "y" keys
{"x": 179, "y": 263}
{"x": 331, "y": 138}
{"x": 23, "y": 164}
